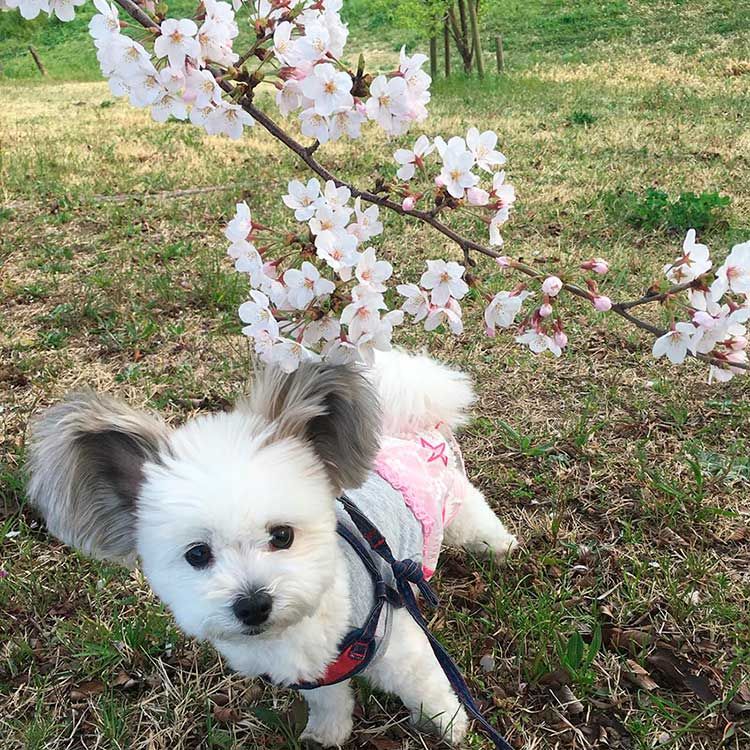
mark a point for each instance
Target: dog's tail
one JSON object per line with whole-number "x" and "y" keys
{"x": 416, "y": 392}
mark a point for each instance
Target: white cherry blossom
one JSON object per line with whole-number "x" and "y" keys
{"x": 315, "y": 125}
{"x": 177, "y": 41}
{"x": 675, "y": 343}
{"x": 734, "y": 273}
{"x": 456, "y": 174}
{"x": 417, "y": 301}
{"x": 410, "y": 159}
{"x": 450, "y": 314}
{"x": 329, "y": 89}
{"x": 228, "y": 119}
{"x": 387, "y": 104}
{"x": 346, "y": 122}
{"x": 289, "y": 97}
{"x": 169, "y": 105}
{"x": 445, "y": 280}
{"x": 106, "y": 23}
{"x": 693, "y": 262}
{"x": 64, "y": 9}
{"x": 336, "y": 197}
{"x": 306, "y": 284}
{"x": 315, "y": 43}
{"x": 539, "y": 342}
{"x": 283, "y": 44}
{"x": 327, "y": 328}
{"x": 380, "y": 338}
{"x": 241, "y": 224}
{"x": 304, "y": 199}
{"x": 327, "y": 224}
{"x": 373, "y": 272}
{"x": 367, "y": 223}
{"x": 339, "y": 251}
{"x": 362, "y": 315}
{"x": 502, "y": 310}
{"x": 482, "y": 147}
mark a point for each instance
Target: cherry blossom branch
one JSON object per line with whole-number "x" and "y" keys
{"x": 620, "y": 308}
{"x": 305, "y": 153}
{"x": 138, "y": 14}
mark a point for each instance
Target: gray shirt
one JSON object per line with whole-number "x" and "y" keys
{"x": 387, "y": 510}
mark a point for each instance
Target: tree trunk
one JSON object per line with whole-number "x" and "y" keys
{"x": 447, "y": 48}
{"x": 462, "y": 42}
{"x": 433, "y": 57}
{"x": 475, "y": 37}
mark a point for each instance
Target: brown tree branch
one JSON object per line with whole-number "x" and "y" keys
{"x": 428, "y": 217}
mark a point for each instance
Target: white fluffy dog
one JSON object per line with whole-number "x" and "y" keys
{"x": 233, "y": 517}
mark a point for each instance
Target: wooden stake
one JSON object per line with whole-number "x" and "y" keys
{"x": 475, "y": 35}
{"x": 447, "y": 48}
{"x": 500, "y": 54}
{"x": 433, "y": 57}
{"x": 37, "y": 60}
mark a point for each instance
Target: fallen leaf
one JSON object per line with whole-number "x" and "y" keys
{"x": 631, "y": 639}
{"x": 570, "y": 703}
{"x": 87, "y": 689}
{"x": 226, "y": 714}
{"x": 125, "y": 681}
{"x": 740, "y": 535}
{"x": 680, "y": 673}
{"x": 639, "y": 676}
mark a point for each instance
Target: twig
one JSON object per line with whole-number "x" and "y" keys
{"x": 37, "y": 60}
{"x": 466, "y": 245}
{"x": 138, "y": 14}
{"x": 658, "y": 296}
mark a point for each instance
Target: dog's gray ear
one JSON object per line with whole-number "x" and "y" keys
{"x": 333, "y": 407}
{"x": 86, "y": 459}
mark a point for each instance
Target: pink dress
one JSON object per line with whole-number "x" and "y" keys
{"x": 427, "y": 469}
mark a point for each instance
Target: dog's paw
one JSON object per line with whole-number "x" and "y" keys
{"x": 327, "y": 733}
{"x": 504, "y": 545}
{"x": 449, "y": 725}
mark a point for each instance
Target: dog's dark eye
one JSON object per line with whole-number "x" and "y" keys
{"x": 282, "y": 537}
{"x": 199, "y": 556}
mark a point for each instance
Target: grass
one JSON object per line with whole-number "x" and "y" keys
{"x": 627, "y": 480}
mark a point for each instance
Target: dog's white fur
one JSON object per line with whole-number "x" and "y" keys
{"x": 226, "y": 478}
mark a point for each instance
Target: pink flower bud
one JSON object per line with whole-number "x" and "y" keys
{"x": 561, "y": 339}
{"x": 597, "y": 265}
{"x": 545, "y": 310}
{"x": 503, "y": 261}
{"x": 737, "y": 343}
{"x": 602, "y": 303}
{"x": 552, "y": 286}
{"x": 408, "y": 203}
{"x": 439, "y": 181}
{"x": 477, "y": 197}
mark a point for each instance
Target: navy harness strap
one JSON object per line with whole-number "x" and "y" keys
{"x": 407, "y": 572}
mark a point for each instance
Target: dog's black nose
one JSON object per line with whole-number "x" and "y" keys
{"x": 253, "y": 609}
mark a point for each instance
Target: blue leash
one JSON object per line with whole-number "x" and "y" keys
{"x": 407, "y": 572}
